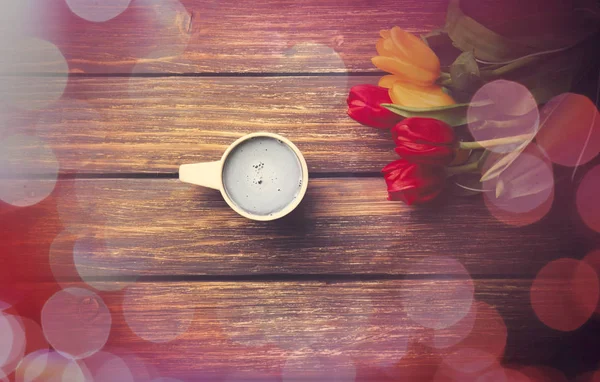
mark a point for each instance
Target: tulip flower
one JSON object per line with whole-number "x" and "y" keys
{"x": 406, "y": 56}
{"x": 413, "y": 183}
{"x": 425, "y": 141}
{"x": 411, "y": 95}
{"x": 364, "y": 106}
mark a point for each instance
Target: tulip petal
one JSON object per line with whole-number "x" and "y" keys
{"x": 388, "y": 80}
{"x": 405, "y": 70}
{"x": 384, "y": 33}
{"x": 415, "y": 49}
{"x": 380, "y": 46}
{"x": 411, "y": 95}
{"x": 393, "y": 51}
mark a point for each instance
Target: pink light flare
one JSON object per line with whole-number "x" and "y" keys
{"x": 570, "y": 130}
{"x": 91, "y": 11}
{"x": 593, "y": 259}
{"x": 502, "y": 109}
{"x": 446, "y": 373}
{"x": 452, "y": 335}
{"x": 445, "y": 282}
{"x": 76, "y": 322}
{"x": 543, "y": 374}
{"x": 172, "y": 307}
{"x": 524, "y": 192}
{"x": 12, "y": 342}
{"x": 51, "y": 366}
{"x": 503, "y": 375}
{"x": 119, "y": 365}
{"x": 483, "y": 346}
{"x": 301, "y": 367}
{"x": 587, "y": 199}
{"x": 565, "y": 293}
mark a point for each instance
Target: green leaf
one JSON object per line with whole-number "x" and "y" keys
{"x": 436, "y": 38}
{"x": 454, "y": 115}
{"x": 502, "y": 164}
{"x": 469, "y": 35}
{"x": 465, "y": 73}
{"x": 508, "y": 159}
{"x": 466, "y": 185}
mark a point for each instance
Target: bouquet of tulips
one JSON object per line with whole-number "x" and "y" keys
{"x": 473, "y": 114}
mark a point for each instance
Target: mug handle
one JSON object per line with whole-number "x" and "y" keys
{"x": 207, "y": 174}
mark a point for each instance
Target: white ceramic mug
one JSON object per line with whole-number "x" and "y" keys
{"x": 267, "y": 179}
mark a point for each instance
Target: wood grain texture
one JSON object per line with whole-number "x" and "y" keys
{"x": 215, "y": 36}
{"x": 254, "y": 328}
{"x": 194, "y": 36}
{"x": 128, "y": 228}
{"x": 153, "y": 125}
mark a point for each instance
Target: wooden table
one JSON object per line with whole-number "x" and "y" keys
{"x": 167, "y": 83}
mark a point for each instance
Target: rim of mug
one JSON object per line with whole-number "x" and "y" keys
{"x": 290, "y": 207}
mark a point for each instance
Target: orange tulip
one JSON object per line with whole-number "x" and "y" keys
{"x": 411, "y": 95}
{"x": 406, "y": 56}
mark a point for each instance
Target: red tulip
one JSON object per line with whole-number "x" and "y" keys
{"x": 425, "y": 141}
{"x": 413, "y": 183}
{"x": 364, "y": 106}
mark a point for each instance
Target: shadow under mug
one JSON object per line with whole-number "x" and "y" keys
{"x": 211, "y": 175}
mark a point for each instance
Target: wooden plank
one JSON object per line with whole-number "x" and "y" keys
{"x": 194, "y": 36}
{"x": 128, "y": 228}
{"x": 254, "y": 328}
{"x": 212, "y": 36}
{"x": 153, "y": 125}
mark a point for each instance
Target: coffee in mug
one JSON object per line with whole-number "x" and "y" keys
{"x": 262, "y": 176}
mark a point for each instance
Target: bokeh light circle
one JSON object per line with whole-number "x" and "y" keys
{"x": 61, "y": 259}
{"x": 497, "y": 374}
{"x": 565, "y": 293}
{"x": 587, "y": 199}
{"x": 92, "y": 11}
{"x": 502, "y": 109}
{"x": 444, "y": 282}
{"x": 593, "y": 259}
{"x": 525, "y": 185}
{"x": 523, "y": 193}
{"x": 483, "y": 346}
{"x": 450, "y": 336}
{"x": 33, "y": 340}
{"x": 76, "y": 322}
{"x": 33, "y": 73}
{"x": 172, "y": 22}
{"x": 12, "y": 342}
{"x": 90, "y": 259}
{"x": 310, "y": 57}
{"x": 543, "y": 374}
{"x": 28, "y": 170}
{"x": 570, "y": 133}
{"x": 493, "y": 373}
{"x": 300, "y": 367}
{"x": 50, "y": 366}
{"x": 172, "y": 314}
{"x": 108, "y": 367}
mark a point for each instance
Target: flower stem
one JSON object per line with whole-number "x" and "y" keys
{"x": 469, "y": 167}
{"x": 493, "y": 142}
